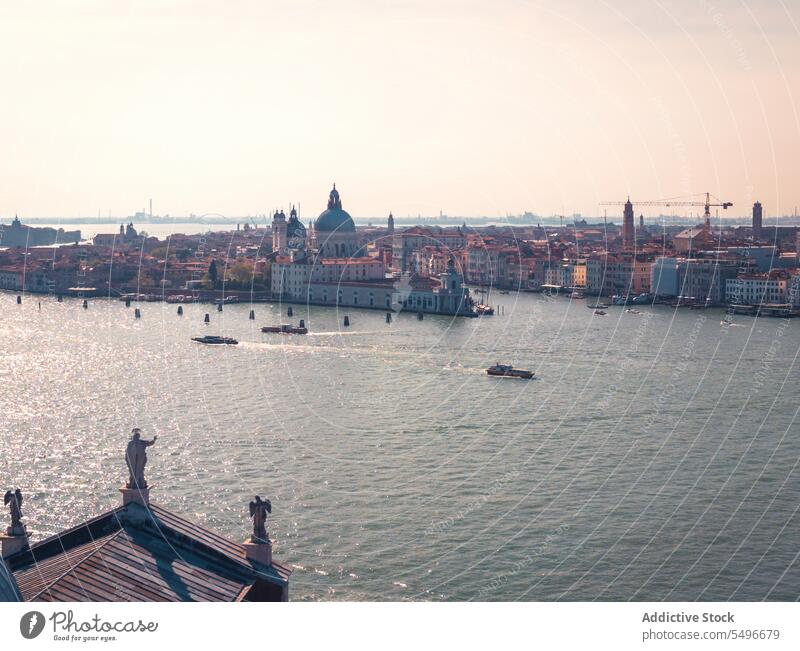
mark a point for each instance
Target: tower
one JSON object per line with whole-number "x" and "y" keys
{"x": 390, "y": 224}
{"x": 279, "y": 231}
{"x": 628, "y": 235}
{"x": 757, "y": 214}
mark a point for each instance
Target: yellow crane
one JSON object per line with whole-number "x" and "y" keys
{"x": 681, "y": 202}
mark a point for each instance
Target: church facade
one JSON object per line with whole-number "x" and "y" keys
{"x": 333, "y": 268}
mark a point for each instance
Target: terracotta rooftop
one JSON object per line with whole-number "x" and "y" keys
{"x": 136, "y": 553}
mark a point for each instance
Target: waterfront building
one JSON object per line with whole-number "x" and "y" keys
{"x": 489, "y": 262}
{"x": 315, "y": 279}
{"x": 558, "y": 274}
{"x": 338, "y": 271}
{"x": 445, "y": 295}
{"x": 578, "y": 272}
{"x": 702, "y": 278}
{"x": 527, "y": 273}
{"x": 757, "y": 289}
{"x": 609, "y": 274}
{"x": 12, "y": 278}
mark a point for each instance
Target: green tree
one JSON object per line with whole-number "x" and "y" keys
{"x": 240, "y": 274}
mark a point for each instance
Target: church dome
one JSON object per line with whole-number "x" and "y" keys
{"x": 334, "y": 218}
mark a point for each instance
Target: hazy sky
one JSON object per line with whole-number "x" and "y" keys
{"x": 469, "y": 107}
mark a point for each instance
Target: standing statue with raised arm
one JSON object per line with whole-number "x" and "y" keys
{"x": 14, "y": 503}
{"x": 136, "y": 458}
{"x": 258, "y": 511}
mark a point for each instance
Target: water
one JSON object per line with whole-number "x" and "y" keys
{"x": 655, "y": 457}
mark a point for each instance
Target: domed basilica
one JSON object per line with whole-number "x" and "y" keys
{"x": 334, "y": 232}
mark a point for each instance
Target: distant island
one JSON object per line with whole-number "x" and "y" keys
{"x": 18, "y": 235}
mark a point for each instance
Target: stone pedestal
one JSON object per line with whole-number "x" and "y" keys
{"x": 135, "y": 496}
{"x": 12, "y": 543}
{"x": 260, "y": 552}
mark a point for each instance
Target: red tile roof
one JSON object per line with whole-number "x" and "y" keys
{"x": 137, "y": 554}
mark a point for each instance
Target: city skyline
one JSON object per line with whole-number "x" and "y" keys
{"x": 488, "y": 110}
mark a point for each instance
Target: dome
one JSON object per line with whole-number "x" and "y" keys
{"x": 334, "y": 218}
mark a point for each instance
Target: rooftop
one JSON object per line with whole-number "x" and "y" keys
{"x": 142, "y": 553}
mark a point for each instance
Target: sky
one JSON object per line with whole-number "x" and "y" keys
{"x": 466, "y": 107}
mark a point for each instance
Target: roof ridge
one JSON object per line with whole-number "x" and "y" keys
{"x": 62, "y": 534}
{"x": 198, "y": 545}
{"x": 89, "y": 555}
{"x": 201, "y": 547}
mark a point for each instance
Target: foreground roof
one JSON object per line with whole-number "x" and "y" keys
{"x": 136, "y": 553}
{"x": 8, "y": 587}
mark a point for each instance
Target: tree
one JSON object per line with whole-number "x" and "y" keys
{"x": 213, "y": 276}
{"x": 240, "y": 274}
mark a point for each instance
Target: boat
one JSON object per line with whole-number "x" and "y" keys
{"x": 577, "y": 294}
{"x": 226, "y": 300}
{"x": 506, "y": 370}
{"x": 598, "y": 306}
{"x": 215, "y": 339}
{"x": 286, "y": 329}
{"x": 599, "y": 313}
{"x": 618, "y": 299}
{"x": 483, "y": 308}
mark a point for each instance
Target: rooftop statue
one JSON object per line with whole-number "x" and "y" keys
{"x": 258, "y": 511}
{"x": 14, "y": 503}
{"x": 136, "y": 458}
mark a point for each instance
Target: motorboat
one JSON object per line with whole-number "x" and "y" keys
{"x": 215, "y": 339}
{"x": 506, "y": 370}
{"x": 287, "y": 329}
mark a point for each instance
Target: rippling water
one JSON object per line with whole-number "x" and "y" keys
{"x": 655, "y": 457}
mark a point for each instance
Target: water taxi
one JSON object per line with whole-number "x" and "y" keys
{"x": 215, "y": 339}
{"x": 286, "y": 329}
{"x": 506, "y": 370}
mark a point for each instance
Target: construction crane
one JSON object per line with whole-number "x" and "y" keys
{"x": 680, "y": 201}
